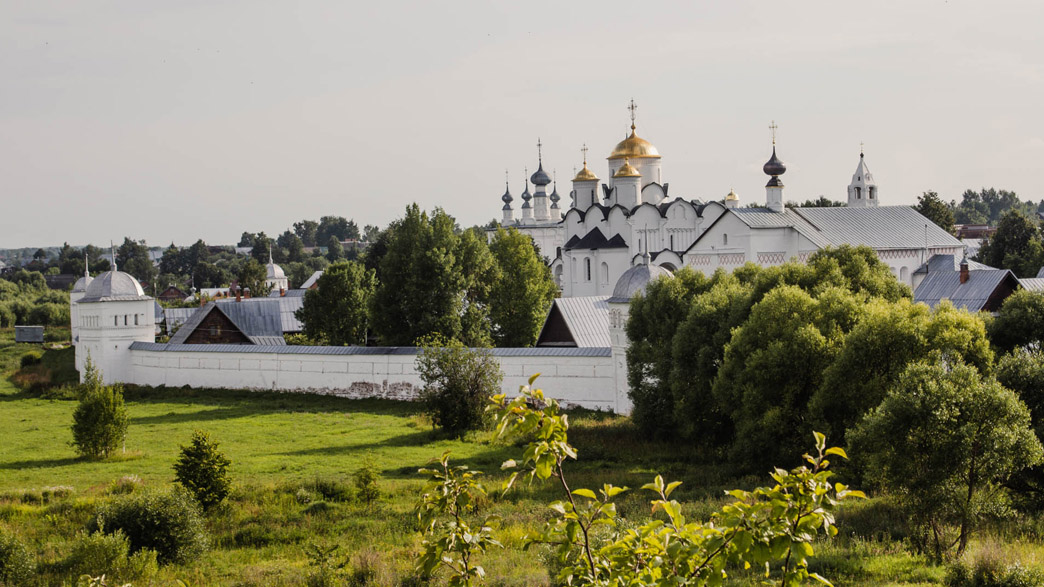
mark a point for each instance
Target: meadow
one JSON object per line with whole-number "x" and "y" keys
{"x": 293, "y": 457}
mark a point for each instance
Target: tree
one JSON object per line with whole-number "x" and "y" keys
{"x": 654, "y": 318}
{"x": 336, "y": 312}
{"x": 133, "y": 257}
{"x": 889, "y": 337}
{"x": 210, "y": 275}
{"x": 774, "y": 363}
{"x": 293, "y": 245}
{"x": 307, "y": 231}
{"x": 370, "y": 233}
{"x": 458, "y": 383}
{"x": 100, "y": 420}
{"x": 246, "y": 240}
{"x": 253, "y": 277}
{"x": 203, "y": 470}
{"x": 334, "y": 250}
{"x": 820, "y": 202}
{"x": 942, "y": 441}
{"x": 1020, "y": 321}
{"x": 1017, "y": 245}
{"x": 931, "y": 206}
{"x": 521, "y": 292}
{"x": 478, "y": 271}
{"x": 1022, "y": 371}
{"x": 262, "y": 248}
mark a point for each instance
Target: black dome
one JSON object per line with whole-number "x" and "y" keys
{"x": 774, "y": 166}
{"x": 540, "y": 177}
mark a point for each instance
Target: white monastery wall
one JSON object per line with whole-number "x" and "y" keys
{"x": 585, "y": 378}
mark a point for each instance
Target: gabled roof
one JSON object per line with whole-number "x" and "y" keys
{"x": 311, "y": 280}
{"x": 586, "y": 318}
{"x": 285, "y": 307}
{"x": 882, "y": 227}
{"x": 973, "y": 294}
{"x": 1040, "y": 272}
{"x": 1033, "y": 283}
{"x": 595, "y": 240}
{"x": 258, "y": 319}
{"x": 763, "y": 218}
{"x": 949, "y": 263}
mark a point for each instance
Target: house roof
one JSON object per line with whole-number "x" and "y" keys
{"x": 586, "y": 317}
{"x": 596, "y": 240}
{"x": 175, "y": 317}
{"x": 287, "y": 306}
{"x": 882, "y": 227}
{"x": 949, "y": 263}
{"x": 257, "y": 319}
{"x": 311, "y": 280}
{"x": 1033, "y": 283}
{"x": 972, "y": 294}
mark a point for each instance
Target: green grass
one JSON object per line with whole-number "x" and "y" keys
{"x": 280, "y": 444}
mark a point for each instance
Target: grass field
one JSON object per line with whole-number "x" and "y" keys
{"x": 281, "y": 444}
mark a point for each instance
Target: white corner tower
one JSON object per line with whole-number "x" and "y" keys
{"x": 862, "y": 192}
{"x": 113, "y": 313}
{"x": 774, "y": 168}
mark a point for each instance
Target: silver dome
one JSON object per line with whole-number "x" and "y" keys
{"x": 82, "y": 284}
{"x": 635, "y": 280}
{"x": 113, "y": 286}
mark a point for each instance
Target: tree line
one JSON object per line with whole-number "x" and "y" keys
{"x": 424, "y": 276}
{"x": 742, "y": 364}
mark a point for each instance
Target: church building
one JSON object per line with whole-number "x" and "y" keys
{"x": 610, "y": 225}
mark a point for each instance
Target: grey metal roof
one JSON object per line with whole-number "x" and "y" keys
{"x": 257, "y": 319}
{"x": 1040, "y": 272}
{"x": 290, "y": 293}
{"x": 587, "y": 318}
{"x": 287, "y": 305}
{"x": 1033, "y": 283}
{"x": 973, "y": 294}
{"x": 175, "y": 317}
{"x": 883, "y": 227}
{"x": 113, "y": 286}
{"x": 949, "y": 263}
{"x": 357, "y": 350}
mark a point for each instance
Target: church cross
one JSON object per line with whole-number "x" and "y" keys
{"x": 773, "y": 127}
{"x": 584, "y": 151}
{"x": 633, "y": 107}
{"x": 540, "y": 157}
{"x": 860, "y": 148}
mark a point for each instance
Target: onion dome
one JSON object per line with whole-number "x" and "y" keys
{"x": 585, "y": 174}
{"x": 113, "y": 286}
{"x": 636, "y": 279}
{"x": 774, "y": 166}
{"x": 554, "y": 197}
{"x": 627, "y": 170}
{"x": 540, "y": 177}
{"x": 732, "y": 197}
{"x": 526, "y": 197}
{"x": 634, "y": 147}
{"x": 506, "y": 198}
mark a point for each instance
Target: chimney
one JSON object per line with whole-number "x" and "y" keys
{"x": 964, "y": 271}
{"x": 239, "y": 295}
{"x": 282, "y": 292}
{"x": 247, "y": 295}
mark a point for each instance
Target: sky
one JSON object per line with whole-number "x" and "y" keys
{"x": 173, "y": 121}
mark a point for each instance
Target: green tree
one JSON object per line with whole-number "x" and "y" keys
{"x": 307, "y": 230}
{"x": 1016, "y": 245}
{"x": 293, "y": 245}
{"x": 262, "y": 248}
{"x": 100, "y": 419}
{"x": 654, "y": 318}
{"x": 370, "y": 233}
{"x": 1022, "y": 371}
{"x": 943, "y": 441}
{"x": 133, "y": 257}
{"x": 253, "y": 276}
{"x": 334, "y": 250}
{"x": 774, "y": 363}
{"x": 521, "y": 292}
{"x": 336, "y": 312}
{"x": 203, "y": 470}
{"x": 1020, "y": 321}
{"x": 458, "y": 383}
{"x": 479, "y": 271}
{"x": 820, "y": 202}
{"x": 889, "y": 337}
{"x": 931, "y": 206}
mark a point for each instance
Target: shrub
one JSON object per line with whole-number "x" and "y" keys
{"x": 203, "y": 470}
{"x": 365, "y": 479}
{"x": 332, "y": 489}
{"x": 109, "y": 554}
{"x": 31, "y": 358}
{"x": 327, "y": 569}
{"x": 126, "y": 484}
{"x": 17, "y": 565}
{"x": 991, "y": 571}
{"x": 458, "y": 383}
{"x": 100, "y": 420}
{"x": 168, "y": 522}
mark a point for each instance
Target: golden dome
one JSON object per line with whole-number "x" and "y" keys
{"x": 585, "y": 174}
{"x": 627, "y": 170}
{"x": 732, "y": 196}
{"x": 636, "y": 147}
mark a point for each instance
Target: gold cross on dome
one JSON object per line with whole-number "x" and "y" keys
{"x": 633, "y": 107}
{"x": 773, "y": 128}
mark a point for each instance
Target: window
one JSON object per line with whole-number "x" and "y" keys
{"x": 903, "y": 274}
{"x": 124, "y": 319}
{"x": 870, "y": 192}
{"x": 605, "y": 274}
{"x": 135, "y": 319}
{"x": 725, "y": 240}
{"x": 859, "y": 193}
{"x": 115, "y": 320}
{"x": 672, "y": 242}
{"x": 587, "y": 269}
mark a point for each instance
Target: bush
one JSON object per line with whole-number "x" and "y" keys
{"x": 17, "y": 565}
{"x": 332, "y": 489}
{"x": 203, "y": 470}
{"x": 100, "y": 420}
{"x": 31, "y": 358}
{"x": 458, "y": 383}
{"x": 109, "y": 554}
{"x": 365, "y": 479}
{"x": 169, "y": 522}
{"x": 991, "y": 571}
{"x": 126, "y": 484}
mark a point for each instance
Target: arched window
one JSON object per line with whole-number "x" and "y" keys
{"x": 859, "y": 193}
{"x": 558, "y": 276}
{"x": 135, "y": 319}
{"x": 870, "y": 192}
{"x": 903, "y": 274}
{"x": 605, "y": 273}
{"x": 725, "y": 240}
{"x": 124, "y": 319}
{"x": 115, "y": 320}
{"x": 587, "y": 269}
{"x": 672, "y": 242}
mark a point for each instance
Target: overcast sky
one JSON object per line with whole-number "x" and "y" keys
{"x": 172, "y": 121}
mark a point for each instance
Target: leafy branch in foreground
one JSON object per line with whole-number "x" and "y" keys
{"x": 769, "y": 527}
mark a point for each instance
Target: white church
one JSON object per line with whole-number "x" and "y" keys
{"x": 610, "y": 224}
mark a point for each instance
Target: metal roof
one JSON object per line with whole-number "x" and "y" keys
{"x": 288, "y": 306}
{"x": 587, "y": 318}
{"x": 1033, "y": 283}
{"x": 311, "y": 280}
{"x": 972, "y": 294}
{"x": 949, "y": 263}
{"x": 175, "y": 317}
{"x": 883, "y": 227}
{"x": 1040, "y": 272}
{"x": 257, "y": 319}
{"x": 359, "y": 350}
